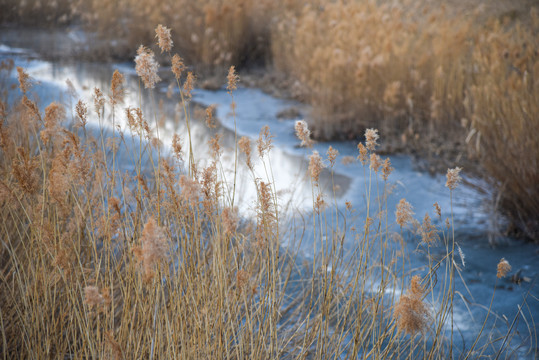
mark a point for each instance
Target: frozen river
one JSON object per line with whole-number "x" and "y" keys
{"x": 287, "y": 169}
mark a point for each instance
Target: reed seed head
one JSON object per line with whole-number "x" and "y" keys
{"x": 376, "y": 162}
{"x": 177, "y": 66}
{"x": 82, "y": 112}
{"x": 315, "y": 166}
{"x": 264, "y": 141}
{"x": 438, "y": 210}
{"x": 54, "y": 114}
{"x": 24, "y": 79}
{"x": 215, "y": 146}
{"x": 332, "y": 155}
{"x": 99, "y": 102}
{"x": 116, "y": 88}
{"x": 92, "y": 297}
{"x": 453, "y": 178}
{"x": 386, "y": 169}
{"x": 242, "y": 280}
{"x": 232, "y": 79}
{"x": 410, "y": 312}
{"x": 404, "y": 212}
{"x": 210, "y": 110}
{"x": 429, "y": 234}
{"x": 320, "y": 204}
{"x": 162, "y": 33}
{"x": 245, "y": 146}
{"x": 189, "y": 85}
{"x": 230, "y": 220}
{"x": 461, "y": 255}
{"x": 503, "y": 268}
{"x": 154, "y": 246}
{"x": 371, "y": 136}
{"x": 190, "y": 189}
{"x": 363, "y": 153}
{"x": 177, "y": 147}
{"x": 303, "y": 133}
{"x": 146, "y": 67}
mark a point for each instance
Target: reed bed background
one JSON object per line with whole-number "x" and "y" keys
{"x": 149, "y": 258}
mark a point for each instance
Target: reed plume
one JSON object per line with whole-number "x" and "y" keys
{"x": 264, "y": 142}
{"x": 404, "y": 213}
{"x": 154, "y": 247}
{"x": 363, "y": 153}
{"x": 386, "y": 169}
{"x": 371, "y": 138}
{"x": 503, "y": 268}
{"x": 316, "y": 165}
{"x": 147, "y": 67}
{"x": 232, "y": 79}
{"x": 453, "y": 178}
{"x": 410, "y": 312}
{"x": 117, "y": 90}
{"x": 93, "y": 297}
{"x": 178, "y": 67}
{"x": 164, "y": 40}
{"x": 24, "y": 80}
{"x": 303, "y": 133}
{"x": 245, "y": 146}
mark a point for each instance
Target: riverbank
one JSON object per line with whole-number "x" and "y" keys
{"x": 461, "y": 144}
{"x": 351, "y": 258}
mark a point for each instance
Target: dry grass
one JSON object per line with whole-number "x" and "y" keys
{"x": 503, "y": 108}
{"x": 37, "y": 12}
{"x": 417, "y": 70}
{"x": 155, "y": 263}
{"x": 210, "y": 34}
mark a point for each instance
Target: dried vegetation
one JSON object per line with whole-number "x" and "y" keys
{"x": 154, "y": 261}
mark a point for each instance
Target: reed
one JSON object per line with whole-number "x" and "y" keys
{"x": 155, "y": 262}
{"x": 412, "y": 69}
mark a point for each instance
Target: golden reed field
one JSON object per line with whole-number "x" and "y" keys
{"x": 156, "y": 263}
{"x": 413, "y": 69}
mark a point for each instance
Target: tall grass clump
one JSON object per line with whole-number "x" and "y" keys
{"x": 416, "y": 71}
{"x": 362, "y": 63}
{"x": 37, "y": 12}
{"x": 211, "y": 34}
{"x": 503, "y": 109}
{"x": 151, "y": 258}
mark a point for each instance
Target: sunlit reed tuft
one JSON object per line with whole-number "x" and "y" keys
{"x": 386, "y": 169}
{"x": 264, "y": 142}
{"x": 178, "y": 67}
{"x": 233, "y": 79}
{"x": 24, "y": 79}
{"x": 503, "y": 268}
{"x": 371, "y": 138}
{"x": 189, "y": 85}
{"x": 410, "y": 312}
{"x": 453, "y": 178}
{"x": 363, "y": 153}
{"x": 303, "y": 133}
{"x": 316, "y": 165}
{"x": 116, "y": 88}
{"x": 147, "y": 67}
{"x": 376, "y": 162}
{"x": 245, "y": 146}
{"x": 162, "y": 33}
{"x": 404, "y": 213}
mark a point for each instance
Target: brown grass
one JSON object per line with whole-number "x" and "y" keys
{"x": 156, "y": 263}
{"x": 416, "y": 71}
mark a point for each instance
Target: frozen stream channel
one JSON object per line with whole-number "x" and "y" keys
{"x": 289, "y": 168}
